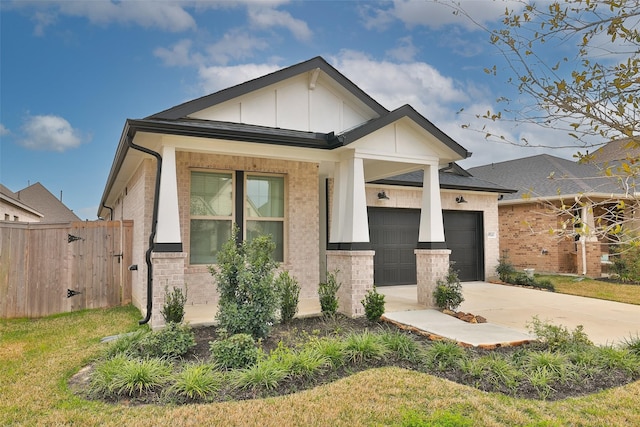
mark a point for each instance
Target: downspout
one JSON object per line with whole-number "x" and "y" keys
{"x": 110, "y": 212}
{"x": 154, "y": 223}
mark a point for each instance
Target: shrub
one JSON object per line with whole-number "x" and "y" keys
{"x": 289, "y": 290}
{"x": 173, "y": 308}
{"x": 505, "y": 269}
{"x": 174, "y": 340}
{"x": 196, "y": 381}
{"x": 237, "y": 351}
{"x": 558, "y": 337}
{"x": 633, "y": 344}
{"x": 448, "y": 292}
{"x": 244, "y": 277}
{"x": 328, "y": 294}
{"x": 373, "y": 303}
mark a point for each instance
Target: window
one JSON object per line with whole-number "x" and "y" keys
{"x": 211, "y": 209}
{"x": 264, "y": 210}
{"x": 220, "y": 199}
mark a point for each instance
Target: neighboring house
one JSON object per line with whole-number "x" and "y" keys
{"x": 33, "y": 204}
{"x": 303, "y": 154}
{"x": 531, "y": 218}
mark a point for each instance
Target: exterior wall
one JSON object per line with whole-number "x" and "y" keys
{"x": 404, "y": 197}
{"x": 301, "y": 219}
{"x": 13, "y": 212}
{"x": 525, "y": 238}
{"x": 136, "y": 203}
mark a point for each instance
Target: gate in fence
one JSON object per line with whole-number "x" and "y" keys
{"x": 55, "y": 268}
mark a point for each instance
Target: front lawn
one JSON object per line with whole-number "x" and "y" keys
{"x": 38, "y": 357}
{"x": 585, "y": 287}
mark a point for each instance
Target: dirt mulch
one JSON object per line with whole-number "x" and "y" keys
{"x": 300, "y": 330}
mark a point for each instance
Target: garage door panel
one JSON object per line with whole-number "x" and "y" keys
{"x": 463, "y": 232}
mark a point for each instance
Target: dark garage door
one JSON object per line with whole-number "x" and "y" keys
{"x": 394, "y": 237}
{"x": 463, "y": 232}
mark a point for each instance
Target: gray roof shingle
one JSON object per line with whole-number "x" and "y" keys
{"x": 546, "y": 176}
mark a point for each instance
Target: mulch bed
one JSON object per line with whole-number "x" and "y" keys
{"x": 300, "y": 330}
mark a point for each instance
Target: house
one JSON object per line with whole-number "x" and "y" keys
{"x": 303, "y": 154}
{"x": 561, "y": 217}
{"x": 34, "y": 204}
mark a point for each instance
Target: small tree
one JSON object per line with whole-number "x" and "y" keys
{"x": 373, "y": 303}
{"x": 448, "y": 292}
{"x": 289, "y": 290}
{"x": 505, "y": 269}
{"x": 328, "y": 294}
{"x": 248, "y": 295}
{"x": 173, "y": 308}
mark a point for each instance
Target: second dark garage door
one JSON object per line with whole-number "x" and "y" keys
{"x": 394, "y": 237}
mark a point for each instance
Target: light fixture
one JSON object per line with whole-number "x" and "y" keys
{"x": 500, "y": 197}
{"x": 460, "y": 199}
{"x": 383, "y": 196}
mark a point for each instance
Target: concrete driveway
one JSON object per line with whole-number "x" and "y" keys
{"x": 605, "y": 322}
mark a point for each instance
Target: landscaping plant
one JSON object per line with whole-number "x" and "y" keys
{"x": 245, "y": 281}
{"x": 237, "y": 351}
{"x": 328, "y": 294}
{"x": 373, "y": 303}
{"x": 448, "y": 292}
{"x": 289, "y": 290}
{"x": 173, "y": 308}
{"x": 174, "y": 340}
{"x": 505, "y": 269}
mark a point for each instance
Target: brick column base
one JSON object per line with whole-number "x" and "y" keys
{"x": 593, "y": 258}
{"x": 355, "y": 274}
{"x": 431, "y": 265}
{"x": 168, "y": 271}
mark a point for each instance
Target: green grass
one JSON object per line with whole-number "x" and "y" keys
{"x": 586, "y": 287}
{"x": 37, "y": 358}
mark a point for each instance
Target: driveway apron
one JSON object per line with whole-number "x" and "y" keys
{"x": 605, "y": 322}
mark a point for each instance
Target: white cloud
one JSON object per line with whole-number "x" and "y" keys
{"x": 179, "y": 54}
{"x": 49, "y": 133}
{"x": 165, "y": 15}
{"x": 235, "y": 45}
{"x": 4, "y": 130}
{"x": 437, "y": 14}
{"x": 393, "y": 84}
{"x": 217, "y": 78}
{"x": 268, "y": 17}
{"x": 405, "y": 51}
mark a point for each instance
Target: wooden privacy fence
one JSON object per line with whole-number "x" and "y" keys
{"x": 54, "y": 268}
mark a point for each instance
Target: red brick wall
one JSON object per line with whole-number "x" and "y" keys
{"x": 525, "y": 236}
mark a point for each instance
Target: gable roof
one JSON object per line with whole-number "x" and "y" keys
{"x": 395, "y": 115}
{"x": 546, "y": 176}
{"x": 39, "y": 198}
{"x": 190, "y": 107}
{"x": 8, "y": 196}
{"x": 452, "y": 177}
{"x": 618, "y": 149}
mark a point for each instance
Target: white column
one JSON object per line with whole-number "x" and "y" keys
{"x": 349, "y": 222}
{"x": 431, "y": 223}
{"x": 168, "y": 230}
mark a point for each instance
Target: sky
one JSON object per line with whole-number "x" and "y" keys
{"x": 72, "y": 72}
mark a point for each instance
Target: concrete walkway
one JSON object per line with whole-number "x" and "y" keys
{"x": 508, "y": 309}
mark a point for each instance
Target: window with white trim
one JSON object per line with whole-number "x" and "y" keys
{"x": 256, "y": 202}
